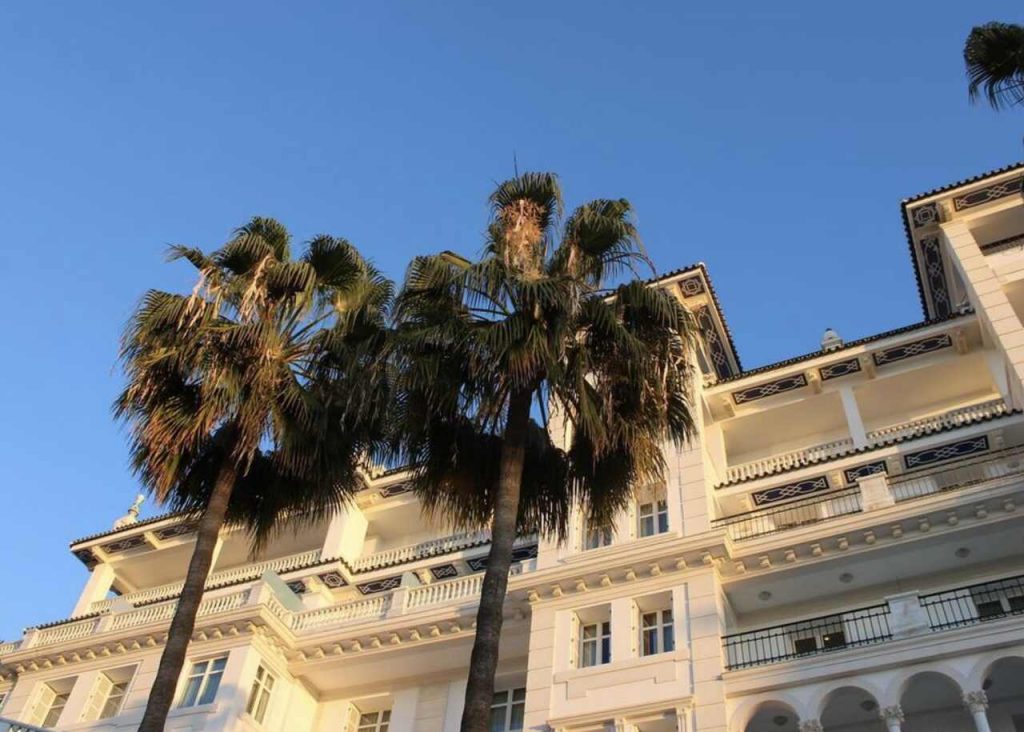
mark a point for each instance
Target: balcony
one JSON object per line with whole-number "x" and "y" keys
{"x": 902, "y": 488}
{"x": 939, "y": 611}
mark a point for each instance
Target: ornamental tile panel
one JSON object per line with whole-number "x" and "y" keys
{"x": 444, "y": 571}
{"x": 987, "y": 194}
{"x": 297, "y": 586}
{"x": 935, "y": 276}
{"x": 942, "y": 453}
{"x": 790, "y": 491}
{"x": 769, "y": 388}
{"x": 381, "y": 585}
{"x": 519, "y": 554}
{"x": 840, "y": 368}
{"x": 716, "y": 349}
{"x": 169, "y": 532}
{"x": 131, "y": 542}
{"x": 332, "y": 579}
{"x": 692, "y": 286}
{"x": 925, "y": 215}
{"x": 852, "y": 475}
{"x": 395, "y": 490}
{"x": 909, "y": 350}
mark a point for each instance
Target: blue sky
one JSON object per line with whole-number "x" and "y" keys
{"x": 774, "y": 145}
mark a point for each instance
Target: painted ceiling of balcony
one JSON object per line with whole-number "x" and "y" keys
{"x": 875, "y": 573}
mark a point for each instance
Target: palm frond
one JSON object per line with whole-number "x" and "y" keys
{"x": 994, "y": 57}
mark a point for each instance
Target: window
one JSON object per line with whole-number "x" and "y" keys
{"x": 50, "y": 702}
{"x": 656, "y": 632}
{"x": 594, "y": 536}
{"x": 375, "y": 721}
{"x": 203, "y": 682}
{"x": 595, "y": 643}
{"x": 108, "y": 693}
{"x": 259, "y": 695}
{"x": 653, "y": 518}
{"x": 507, "y": 710}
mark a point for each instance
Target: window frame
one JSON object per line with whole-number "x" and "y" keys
{"x": 656, "y": 514}
{"x": 601, "y": 642}
{"x": 204, "y": 683}
{"x": 97, "y": 709}
{"x": 661, "y": 632}
{"x": 382, "y": 723}
{"x": 510, "y": 704}
{"x": 260, "y": 694}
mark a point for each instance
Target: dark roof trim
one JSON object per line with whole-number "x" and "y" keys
{"x": 702, "y": 268}
{"x": 872, "y": 448}
{"x": 137, "y": 524}
{"x": 852, "y": 344}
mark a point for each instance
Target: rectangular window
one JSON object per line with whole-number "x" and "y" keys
{"x": 595, "y": 537}
{"x": 507, "y": 710}
{"x": 375, "y": 721}
{"x": 108, "y": 693}
{"x": 653, "y": 518}
{"x": 259, "y": 694}
{"x": 656, "y": 632}
{"x": 595, "y": 644}
{"x": 203, "y": 682}
{"x": 50, "y": 702}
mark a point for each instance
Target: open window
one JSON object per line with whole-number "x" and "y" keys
{"x": 508, "y": 710}
{"x": 656, "y": 624}
{"x": 50, "y": 700}
{"x": 259, "y": 694}
{"x": 108, "y": 694}
{"x": 593, "y": 636}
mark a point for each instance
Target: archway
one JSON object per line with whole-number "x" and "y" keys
{"x": 1003, "y": 684}
{"x": 851, "y": 709}
{"x": 933, "y": 702}
{"x": 773, "y": 716}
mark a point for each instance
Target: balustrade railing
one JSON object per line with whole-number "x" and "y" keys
{"x": 848, "y": 629}
{"x": 9, "y": 647}
{"x": 458, "y": 589}
{"x": 804, "y": 512}
{"x": 953, "y": 476}
{"x": 787, "y": 460}
{"x": 373, "y": 607}
{"x": 217, "y": 579}
{"x": 975, "y": 603}
{"x": 946, "y": 420}
{"x": 422, "y": 550}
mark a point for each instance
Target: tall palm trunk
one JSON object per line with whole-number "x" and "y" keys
{"x": 476, "y": 715}
{"x": 162, "y": 694}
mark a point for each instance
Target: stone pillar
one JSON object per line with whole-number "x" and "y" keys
{"x": 906, "y": 615}
{"x": 853, "y": 418}
{"x": 623, "y": 629}
{"x": 101, "y": 579}
{"x": 809, "y": 725}
{"x": 977, "y": 704}
{"x": 453, "y": 706}
{"x": 345, "y": 534}
{"x": 874, "y": 492}
{"x": 892, "y": 716}
{"x": 403, "y": 708}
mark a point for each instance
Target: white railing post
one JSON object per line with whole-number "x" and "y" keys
{"x": 907, "y": 617}
{"x": 874, "y": 492}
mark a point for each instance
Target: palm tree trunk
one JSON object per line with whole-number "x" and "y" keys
{"x": 476, "y": 714}
{"x": 161, "y": 694}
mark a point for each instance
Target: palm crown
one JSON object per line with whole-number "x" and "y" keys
{"x": 536, "y": 320}
{"x": 225, "y": 376}
{"x": 994, "y": 56}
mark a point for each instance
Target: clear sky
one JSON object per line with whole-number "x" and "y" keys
{"x": 772, "y": 144}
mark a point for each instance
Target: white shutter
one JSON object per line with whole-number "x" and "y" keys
{"x": 44, "y": 698}
{"x": 351, "y": 718}
{"x": 97, "y": 698}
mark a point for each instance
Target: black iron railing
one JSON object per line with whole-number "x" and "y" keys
{"x": 956, "y": 475}
{"x": 826, "y": 634}
{"x": 975, "y": 603}
{"x": 804, "y": 512}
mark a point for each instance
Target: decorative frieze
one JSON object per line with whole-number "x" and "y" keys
{"x": 169, "y": 532}
{"x": 126, "y": 544}
{"x": 988, "y": 194}
{"x": 925, "y": 215}
{"x": 444, "y": 571}
{"x": 852, "y": 475}
{"x": 935, "y": 276}
{"x": 769, "y": 388}
{"x": 840, "y": 368}
{"x": 519, "y": 554}
{"x": 380, "y": 585}
{"x": 395, "y": 490}
{"x": 716, "y": 348}
{"x": 942, "y": 453}
{"x": 915, "y": 348}
{"x": 332, "y": 580}
{"x": 692, "y": 286}
{"x": 789, "y": 491}
{"x": 297, "y": 586}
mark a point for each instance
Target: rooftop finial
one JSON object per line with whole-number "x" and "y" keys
{"x": 831, "y": 340}
{"x": 133, "y": 513}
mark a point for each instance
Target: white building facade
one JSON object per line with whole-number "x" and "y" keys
{"x": 841, "y": 547}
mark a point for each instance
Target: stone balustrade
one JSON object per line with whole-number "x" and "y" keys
{"x": 946, "y": 420}
{"x": 422, "y": 550}
{"x": 787, "y": 460}
{"x": 244, "y": 573}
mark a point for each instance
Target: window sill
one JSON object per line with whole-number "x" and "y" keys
{"x": 657, "y": 669}
{"x": 680, "y": 654}
{"x": 200, "y": 709}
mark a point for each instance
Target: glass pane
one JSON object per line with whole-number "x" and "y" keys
{"x": 497, "y": 719}
{"x": 188, "y": 698}
{"x": 519, "y": 695}
{"x": 210, "y": 690}
{"x": 261, "y": 708}
{"x": 516, "y": 720}
{"x": 662, "y": 523}
{"x": 198, "y": 669}
{"x": 668, "y": 640}
{"x": 649, "y": 642}
{"x": 606, "y": 650}
{"x": 589, "y": 631}
{"x": 220, "y": 663}
{"x": 649, "y": 619}
{"x": 500, "y": 697}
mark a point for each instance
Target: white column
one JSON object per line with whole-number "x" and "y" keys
{"x": 977, "y": 704}
{"x": 906, "y": 615}
{"x": 874, "y": 492}
{"x": 453, "y": 707}
{"x": 101, "y": 579}
{"x": 623, "y": 629}
{"x": 853, "y": 418}
{"x": 892, "y": 716}
{"x": 403, "y": 708}
{"x": 345, "y": 534}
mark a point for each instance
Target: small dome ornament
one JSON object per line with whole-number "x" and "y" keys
{"x": 831, "y": 341}
{"x": 133, "y": 513}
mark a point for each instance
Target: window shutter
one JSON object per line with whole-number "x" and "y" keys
{"x": 574, "y": 641}
{"x": 44, "y": 698}
{"x": 97, "y": 697}
{"x": 351, "y": 723}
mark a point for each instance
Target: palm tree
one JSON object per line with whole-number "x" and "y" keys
{"x": 489, "y": 354}
{"x": 994, "y": 55}
{"x": 229, "y": 417}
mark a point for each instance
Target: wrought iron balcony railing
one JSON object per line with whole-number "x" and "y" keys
{"x": 807, "y": 511}
{"x": 848, "y": 629}
{"x": 975, "y": 603}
